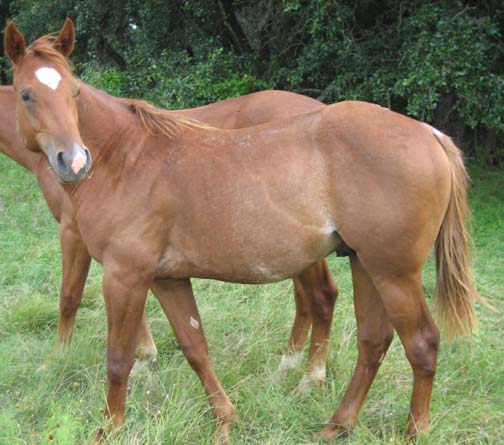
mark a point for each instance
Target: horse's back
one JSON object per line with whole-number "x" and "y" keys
{"x": 253, "y": 109}
{"x": 267, "y": 106}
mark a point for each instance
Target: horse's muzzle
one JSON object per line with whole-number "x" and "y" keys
{"x": 70, "y": 166}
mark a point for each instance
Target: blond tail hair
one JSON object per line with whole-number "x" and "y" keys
{"x": 455, "y": 293}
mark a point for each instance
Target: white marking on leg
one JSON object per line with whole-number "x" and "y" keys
{"x": 287, "y": 362}
{"x": 194, "y": 323}
{"x": 315, "y": 377}
{"x": 290, "y": 361}
{"x": 49, "y": 77}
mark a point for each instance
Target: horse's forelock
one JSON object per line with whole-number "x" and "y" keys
{"x": 44, "y": 48}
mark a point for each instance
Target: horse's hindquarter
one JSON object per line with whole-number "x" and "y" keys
{"x": 390, "y": 179}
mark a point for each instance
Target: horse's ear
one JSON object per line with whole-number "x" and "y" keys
{"x": 14, "y": 43}
{"x": 65, "y": 41}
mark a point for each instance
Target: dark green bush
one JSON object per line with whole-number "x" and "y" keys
{"x": 439, "y": 61}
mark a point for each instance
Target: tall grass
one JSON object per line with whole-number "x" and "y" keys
{"x": 48, "y": 398}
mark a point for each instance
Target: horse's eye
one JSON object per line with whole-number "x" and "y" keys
{"x": 77, "y": 92}
{"x": 25, "y": 96}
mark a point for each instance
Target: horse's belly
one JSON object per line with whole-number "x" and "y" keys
{"x": 262, "y": 259}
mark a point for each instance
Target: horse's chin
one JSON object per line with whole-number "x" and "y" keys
{"x": 71, "y": 178}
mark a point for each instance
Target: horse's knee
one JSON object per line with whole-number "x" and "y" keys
{"x": 303, "y": 315}
{"x": 69, "y": 304}
{"x": 118, "y": 370}
{"x": 303, "y": 305}
{"x": 323, "y": 300}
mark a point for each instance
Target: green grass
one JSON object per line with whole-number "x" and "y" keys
{"x": 44, "y": 397}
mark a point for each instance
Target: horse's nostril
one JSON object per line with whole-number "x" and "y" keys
{"x": 61, "y": 161}
{"x": 88, "y": 158}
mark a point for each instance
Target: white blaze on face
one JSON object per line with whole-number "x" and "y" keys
{"x": 49, "y": 77}
{"x": 78, "y": 162}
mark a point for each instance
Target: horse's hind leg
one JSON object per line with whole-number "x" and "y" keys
{"x": 374, "y": 334}
{"x": 322, "y": 293}
{"x": 177, "y": 300}
{"x": 405, "y": 303}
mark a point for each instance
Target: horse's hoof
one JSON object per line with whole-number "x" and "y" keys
{"x": 414, "y": 432}
{"x": 330, "y": 432}
{"x": 153, "y": 363}
{"x": 100, "y": 436}
{"x": 222, "y": 435}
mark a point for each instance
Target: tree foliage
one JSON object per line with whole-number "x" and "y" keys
{"x": 439, "y": 61}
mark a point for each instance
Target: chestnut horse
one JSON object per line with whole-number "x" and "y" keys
{"x": 253, "y": 205}
{"x": 315, "y": 292}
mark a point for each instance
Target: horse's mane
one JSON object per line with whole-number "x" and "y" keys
{"x": 157, "y": 120}
{"x": 44, "y": 47}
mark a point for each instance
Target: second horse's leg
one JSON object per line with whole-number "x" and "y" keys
{"x": 322, "y": 293}
{"x": 75, "y": 264}
{"x": 146, "y": 348}
{"x": 293, "y": 355}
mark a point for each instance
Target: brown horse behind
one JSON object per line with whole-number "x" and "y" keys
{"x": 252, "y": 206}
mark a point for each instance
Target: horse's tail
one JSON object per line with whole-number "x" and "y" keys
{"x": 455, "y": 293}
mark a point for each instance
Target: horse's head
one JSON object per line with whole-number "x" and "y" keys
{"x": 46, "y": 99}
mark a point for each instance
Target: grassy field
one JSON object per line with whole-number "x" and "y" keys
{"x": 46, "y": 398}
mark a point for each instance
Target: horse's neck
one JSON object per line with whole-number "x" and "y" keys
{"x": 112, "y": 133}
{"x": 103, "y": 121}
{"x": 10, "y": 142}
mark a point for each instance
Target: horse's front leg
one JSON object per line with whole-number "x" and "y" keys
{"x": 75, "y": 264}
{"x": 125, "y": 292}
{"x": 177, "y": 299}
